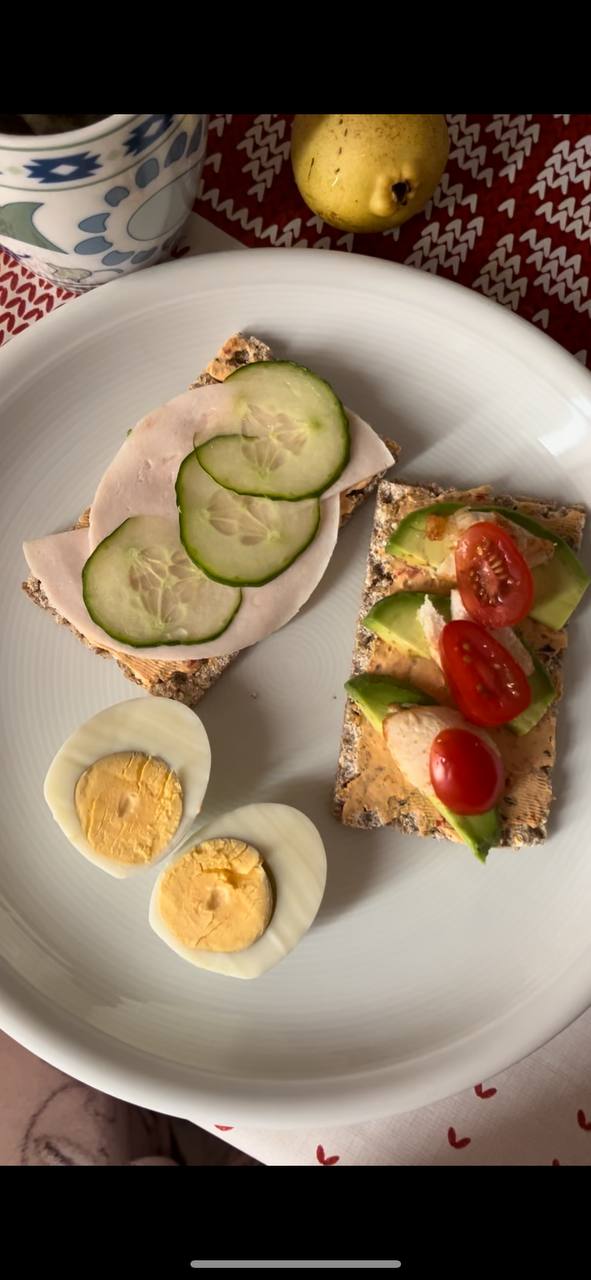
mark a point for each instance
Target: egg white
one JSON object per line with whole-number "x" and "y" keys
{"x": 293, "y": 853}
{"x": 154, "y": 726}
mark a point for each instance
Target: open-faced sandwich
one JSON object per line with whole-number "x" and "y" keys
{"x": 213, "y": 524}
{"x": 451, "y": 717}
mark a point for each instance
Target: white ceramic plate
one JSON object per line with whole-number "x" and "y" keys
{"x": 424, "y": 972}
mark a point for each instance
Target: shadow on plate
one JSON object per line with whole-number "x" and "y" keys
{"x": 356, "y": 531}
{"x": 362, "y": 394}
{"x": 242, "y": 749}
{"x": 356, "y": 866}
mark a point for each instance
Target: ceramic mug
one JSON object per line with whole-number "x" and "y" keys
{"x": 94, "y": 204}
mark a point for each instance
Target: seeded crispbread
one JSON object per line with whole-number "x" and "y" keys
{"x": 188, "y": 681}
{"x": 370, "y": 790}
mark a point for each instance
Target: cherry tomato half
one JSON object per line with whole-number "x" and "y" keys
{"x": 494, "y": 580}
{"x": 467, "y": 775}
{"x": 488, "y": 685}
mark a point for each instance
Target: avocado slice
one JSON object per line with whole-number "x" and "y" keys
{"x": 480, "y": 831}
{"x": 417, "y": 539}
{"x": 376, "y": 695}
{"x": 559, "y": 584}
{"x": 543, "y": 694}
{"x": 395, "y": 620}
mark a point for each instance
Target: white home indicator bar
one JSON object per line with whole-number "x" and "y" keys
{"x": 231, "y": 1266}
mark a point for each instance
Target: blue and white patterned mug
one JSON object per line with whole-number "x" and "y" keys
{"x": 88, "y": 206}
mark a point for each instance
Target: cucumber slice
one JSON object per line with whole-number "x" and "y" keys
{"x": 239, "y": 540}
{"x": 140, "y": 586}
{"x": 293, "y": 434}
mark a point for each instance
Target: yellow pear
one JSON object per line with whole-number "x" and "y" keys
{"x": 368, "y": 173}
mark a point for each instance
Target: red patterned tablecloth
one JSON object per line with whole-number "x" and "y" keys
{"x": 511, "y": 218}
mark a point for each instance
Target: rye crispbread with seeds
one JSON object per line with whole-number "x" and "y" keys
{"x": 188, "y": 681}
{"x": 370, "y": 790}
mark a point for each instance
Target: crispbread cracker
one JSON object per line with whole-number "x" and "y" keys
{"x": 188, "y": 681}
{"x": 370, "y": 790}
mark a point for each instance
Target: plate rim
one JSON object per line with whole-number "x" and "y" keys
{"x": 111, "y": 1065}
{"x": 500, "y": 317}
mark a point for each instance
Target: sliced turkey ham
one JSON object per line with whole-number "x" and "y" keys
{"x": 141, "y": 478}
{"x": 141, "y": 481}
{"x": 58, "y": 561}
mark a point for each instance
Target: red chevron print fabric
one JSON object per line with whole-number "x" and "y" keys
{"x": 24, "y": 298}
{"x": 510, "y": 218}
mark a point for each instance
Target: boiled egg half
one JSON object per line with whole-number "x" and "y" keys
{"x": 242, "y": 891}
{"x": 127, "y": 785}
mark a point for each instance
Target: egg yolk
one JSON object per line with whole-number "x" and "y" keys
{"x": 217, "y": 897}
{"x": 129, "y": 806}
